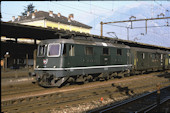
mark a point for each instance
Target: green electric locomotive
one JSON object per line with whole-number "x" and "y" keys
{"x": 74, "y": 60}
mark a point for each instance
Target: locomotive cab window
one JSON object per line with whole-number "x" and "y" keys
{"x": 119, "y": 52}
{"x": 105, "y": 51}
{"x": 89, "y": 50}
{"x": 54, "y": 50}
{"x": 41, "y": 50}
{"x": 71, "y": 50}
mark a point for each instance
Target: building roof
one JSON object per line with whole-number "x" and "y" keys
{"x": 40, "y": 15}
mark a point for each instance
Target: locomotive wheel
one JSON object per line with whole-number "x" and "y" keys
{"x": 90, "y": 78}
{"x": 67, "y": 84}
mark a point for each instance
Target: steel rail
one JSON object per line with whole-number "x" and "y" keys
{"x": 155, "y": 105}
{"x": 125, "y": 102}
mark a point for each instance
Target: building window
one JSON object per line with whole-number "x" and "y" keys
{"x": 71, "y": 50}
{"x": 105, "y": 51}
{"x": 89, "y": 51}
{"x": 119, "y": 51}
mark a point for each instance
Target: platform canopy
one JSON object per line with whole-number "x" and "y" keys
{"x": 14, "y": 30}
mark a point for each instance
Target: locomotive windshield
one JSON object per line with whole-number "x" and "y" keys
{"x": 54, "y": 50}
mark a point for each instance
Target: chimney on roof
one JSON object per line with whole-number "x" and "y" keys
{"x": 28, "y": 13}
{"x": 51, "y": 13}
{"x": 35, "y": 10}
{"x": 71, "y": 16}
{"x": 13, "y": 18}
{"x": 59, "y": 15}
{"x": 69, "y": 19}
{"x": 19, "y": 18}
{"x": 33, "y": 15}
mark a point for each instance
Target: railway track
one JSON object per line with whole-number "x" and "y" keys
{"x": 21, "y": 90}
{"x": 71, "y": 96}
{"x": 141, "y": 104}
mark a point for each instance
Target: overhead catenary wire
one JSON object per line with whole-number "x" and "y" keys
{"x": 160, "y": 5}
{"x": 81, "y": 10}
{"x": 105, "y": 8}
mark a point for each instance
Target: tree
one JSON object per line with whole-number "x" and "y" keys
{"x": 29, "y": 8}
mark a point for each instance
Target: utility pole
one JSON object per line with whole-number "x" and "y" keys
{"x": 127, "y": 33}
{"x": 27, "y": 60}
{"x": 101, "y": 28}
{"x": 34, "y": 56}
{"x": 6, "y": 58}
{"x": 146, "y": 26}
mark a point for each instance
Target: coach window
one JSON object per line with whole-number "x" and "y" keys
{"x": 153, "y": 56}
{"x": 150, "y": 55}
{"x": 143, "y": 55}
{"x": 71, "y": 50}
{"x": 119, "y": 51}
{"x": 105, "y": 51}
{"x": 89, "y": 51}
{"x": 158, "y": 56}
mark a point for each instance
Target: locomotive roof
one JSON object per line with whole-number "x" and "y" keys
{"x": 85, "y": 42}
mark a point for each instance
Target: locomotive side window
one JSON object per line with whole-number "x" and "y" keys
{"x": 64, "y": 50}
{"x": 71, "y": 50}
{"x": 119, "y": 51}
{"x": 54, "y": 50}
{"x": 89, "y": 50}
{"x": 105, "y": 51}
{"x": 41, "y": 50}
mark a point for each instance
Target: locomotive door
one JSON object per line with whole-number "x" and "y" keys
{"x": 105, "y": 57}
{"x": 128, "y": 57}
{"x": 71, "y": 59}
{"x": 166, "y": 61}
{"x": 163, "y": 58}
{"x": 162, "y": 63}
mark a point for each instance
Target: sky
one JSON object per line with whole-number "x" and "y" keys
{"x": 93, "y": 12}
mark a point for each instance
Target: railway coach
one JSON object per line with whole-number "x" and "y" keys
{"x": 146, "y": 60}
